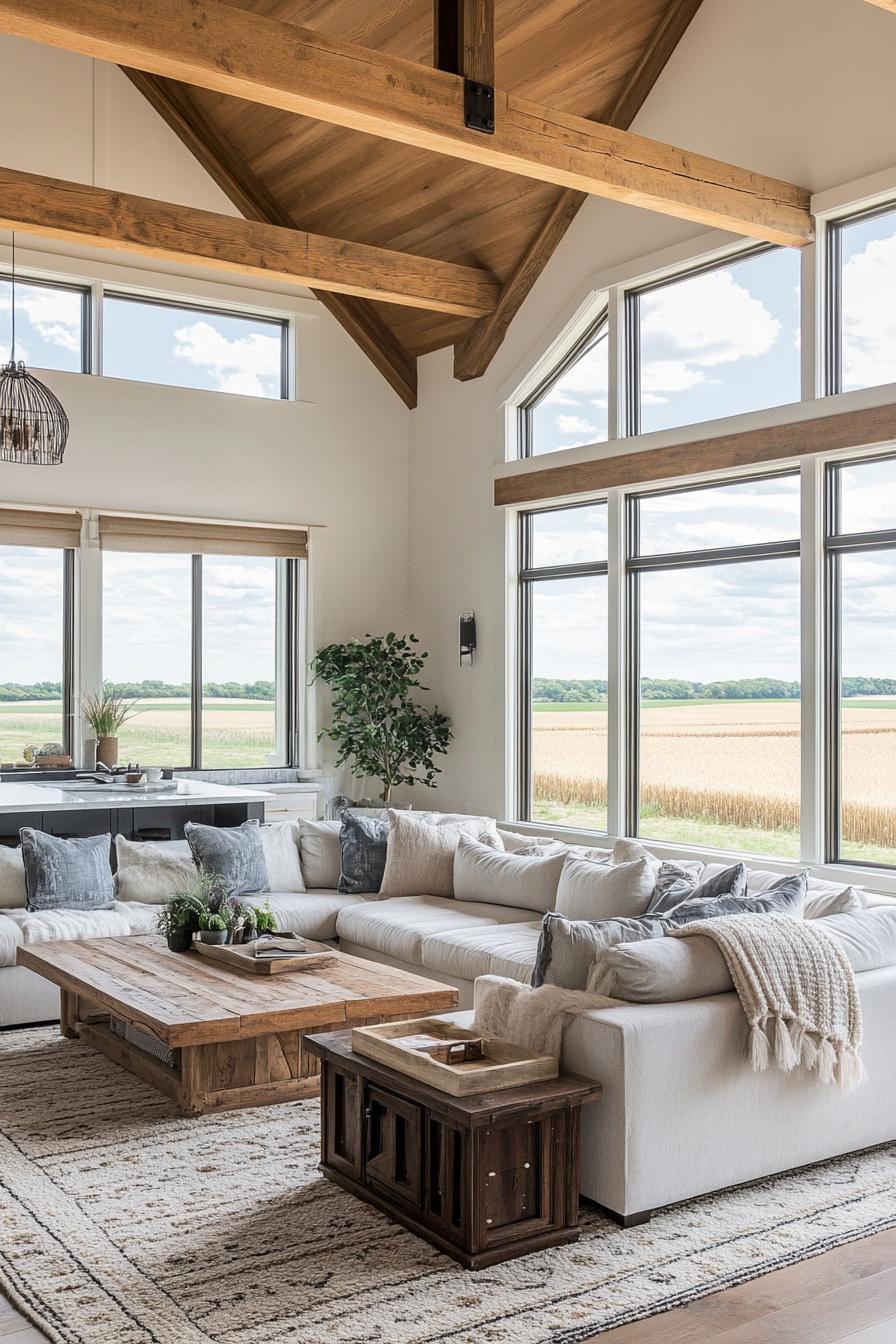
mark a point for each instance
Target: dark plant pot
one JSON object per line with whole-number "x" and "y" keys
{"x": 216, "y": 936}
{"x": 180, "y": 940}
{"x": 249, "y": 935}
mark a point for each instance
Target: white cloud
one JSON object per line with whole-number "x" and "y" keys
{"x": 703, "y": 323}
{"x": 575, "y": 424}
{"x": 236, "y": 365}
{"x": 869, "y": 315}
{"x": 55, "y": 315}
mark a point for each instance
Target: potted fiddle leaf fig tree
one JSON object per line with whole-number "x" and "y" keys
{"x": 378, "y": 727}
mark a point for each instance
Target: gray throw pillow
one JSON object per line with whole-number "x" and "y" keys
{"x": 362, "y": 842}
{"x": 67, "y": 874}
{"x": 234, "y": 853}
{"x": 675, "y": 885}
{"x": 568, "y": 948}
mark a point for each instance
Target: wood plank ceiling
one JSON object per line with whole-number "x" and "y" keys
{"x": 594, "y": 58}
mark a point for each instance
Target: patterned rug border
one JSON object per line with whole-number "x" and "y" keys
{"x": 17, "y": 1290}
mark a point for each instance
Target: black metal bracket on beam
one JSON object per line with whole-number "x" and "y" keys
{"x": 479, "y": 107}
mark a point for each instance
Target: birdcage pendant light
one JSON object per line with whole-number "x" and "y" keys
{"x": 33, "y": 424}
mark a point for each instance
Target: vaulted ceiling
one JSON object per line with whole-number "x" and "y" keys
{"x": 594, "y": 58}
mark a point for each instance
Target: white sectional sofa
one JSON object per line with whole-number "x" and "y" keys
{"x": 681, "y": 1113}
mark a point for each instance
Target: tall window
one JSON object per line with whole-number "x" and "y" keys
{"x": 862, "y": 292}
{"x": 715, "y": 665}
{"x": 861, "y": 551}
{"x": 154, "y": 342}
{"x": 52, "y": 324}
{"x": 718, "y": 341}
{"x": 563, "y": 616}
{"x": 34, "y": 617}
{"x": 570, "y": 407}
{"x": 201, "y": 644}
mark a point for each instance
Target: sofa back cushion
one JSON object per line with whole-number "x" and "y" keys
{"x": 595, "y": 890}
{"x": 319, "y": 847}
{"x": 420, "y": 855}
{"x": 232, "y": 853}
{"x": 67, "y": 874}
{"x": 152, "y": 871}
{"x": 483, "y": 873}
{"x": 280, "y": 843}
{"x": 12, "y": 879}
{"x": 668, "y": 970}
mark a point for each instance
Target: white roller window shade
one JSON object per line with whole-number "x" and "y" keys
{"x": 170, "y": 536}
{"x": 39, "y": 527}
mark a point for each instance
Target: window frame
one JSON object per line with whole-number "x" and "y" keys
{"x": 528, "y": 575}
{"x": 631, "y": 400}
{"x": 835, "y": 545}
{"x": 87, "y": 312}
{"x": 831, "y": 314}
{"x": 594, "y": 333}
{"x": 636, "y": 565}
{"x": 210, "y": 310}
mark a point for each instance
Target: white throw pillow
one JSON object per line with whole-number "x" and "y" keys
{"x": 420, "y": 855}
{"x": 516, "y": 843}
{"x": 820, "y": 904}
{"x": 280, "y": 842}
{"x": 482, "y": 873}
{"x": 12, "y": 878}
{"x": 151, "y": 871}
{"x": 627, "y": 851}
{"x": 321, "y": 854}
{"x": 589, "y": 890}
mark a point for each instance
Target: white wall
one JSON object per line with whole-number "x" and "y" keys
{"x": 337, "y": 457}
{"x": 801, "y": 90}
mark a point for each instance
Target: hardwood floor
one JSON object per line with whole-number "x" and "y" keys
{"x": 846, "y": 1296}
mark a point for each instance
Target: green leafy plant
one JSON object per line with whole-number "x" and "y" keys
{"x": 265, "y": 919}
{"x": 107, "y": 712}
{"x": 378, "y": 728}
{"x": 212, "y": 923}
{"x": 202, "y": 895}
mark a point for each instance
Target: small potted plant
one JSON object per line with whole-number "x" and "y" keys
{"x": 212, "y": 928}
{"x": 265, "y": 919}
{"x": 250, "y": 924}
{"x": 106, "y": 714}
{"x": 178, "y": 921}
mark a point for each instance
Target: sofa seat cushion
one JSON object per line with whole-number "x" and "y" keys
{"x": 45, "y": 926}
{"x": 10, "y": 939}
{"x": 399, "y": 926}
{"x": 311, "y": 914}
{"x": 503, "y": 949}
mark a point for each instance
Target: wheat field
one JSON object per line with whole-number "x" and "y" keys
{"x": 725, "y": 764}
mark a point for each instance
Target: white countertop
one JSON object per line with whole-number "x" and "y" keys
{"x": 74, "y": 795}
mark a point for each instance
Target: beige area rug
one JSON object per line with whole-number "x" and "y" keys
{"x": 122, "y": 1222}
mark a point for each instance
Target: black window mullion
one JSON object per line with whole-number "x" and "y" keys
{"x": 632, "y": 629}
{"x": 68, "y": 649}
{"x": 632, "y": 344}
{"x": 196, "y": 666}
{"x": 524, "y": 618}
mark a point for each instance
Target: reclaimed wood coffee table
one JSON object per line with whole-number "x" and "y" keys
{"x": 209, "y": 1037}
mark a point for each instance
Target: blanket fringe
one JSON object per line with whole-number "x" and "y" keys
{"x": 792, "y": 1045}
{"x": 758, "y": 1048}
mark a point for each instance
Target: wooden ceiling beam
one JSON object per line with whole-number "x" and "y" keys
{"x": 253, "y": 199}
{"x": 885, "y": 4}
{"x": 246, "y": 55}
{"x": 476, "y": 351}
{"x": 93, "y": 215}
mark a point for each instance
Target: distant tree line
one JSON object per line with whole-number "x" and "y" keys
{"x": 11, "y": 691}
{"x": 556, "y": 691}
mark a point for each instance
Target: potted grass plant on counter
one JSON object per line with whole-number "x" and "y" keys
{"x": 106, "y": 714}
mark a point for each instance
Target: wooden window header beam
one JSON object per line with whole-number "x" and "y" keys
{"x": 92, "y": 215}
{"x": 824, "y": 434}
{"x": 247, "y": 55}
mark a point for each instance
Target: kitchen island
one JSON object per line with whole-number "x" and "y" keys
{"x": 74, "y": 807}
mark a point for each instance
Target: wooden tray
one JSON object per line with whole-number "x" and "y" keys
{"x": 504, "y": 1065}
{"x": 241, "y": 956}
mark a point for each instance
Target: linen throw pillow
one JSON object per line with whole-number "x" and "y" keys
{"x": 150, "y": 872}
{"x": 67, "y": 874}
{"x": 12, "y": 879}
{"x": 233, "y": 853}
{"x": 321, "y": 854}
{"x": 362, "y": 843}
{"x": 420, "y": 856}
{"x": 482, "y": 873}
{"x": 280, "y": 842}
{"x": 595, "y": 890}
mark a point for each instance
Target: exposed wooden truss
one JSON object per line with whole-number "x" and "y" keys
{"x": 473, "y": 355}
{"x": 94, "y": 215}
{"x": 464, "y": 38}
{"x": 253, "y": 199}
{"x": 280, "y": 65}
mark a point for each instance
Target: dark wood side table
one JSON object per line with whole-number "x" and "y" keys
{"x": 483, "y": 1178}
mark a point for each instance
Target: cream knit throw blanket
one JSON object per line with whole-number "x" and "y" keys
{"x": 532, "y": 1018}
{"x": 798, "y": 992}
